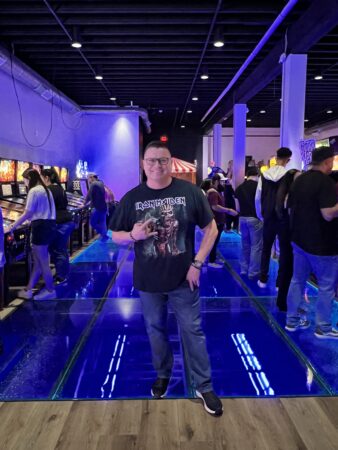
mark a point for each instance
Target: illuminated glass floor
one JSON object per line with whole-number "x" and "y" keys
{"x": 91, "y": 342}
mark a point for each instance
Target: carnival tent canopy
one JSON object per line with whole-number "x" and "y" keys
{"x": 180, "y": 166}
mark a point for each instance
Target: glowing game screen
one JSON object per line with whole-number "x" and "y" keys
{"x": 63, "y": 175}
{"x": 335, "y": 163}
{"x": 21, "y": 167}
{"x": 57, "y": 170}
{"x": 7, "y": 171}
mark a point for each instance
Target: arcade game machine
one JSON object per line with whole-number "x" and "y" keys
{"x": 20, "y": 188}
{"x": 76, "y": 202}
{"x": 63, "y": 177}
{"x": 17, "y": 249}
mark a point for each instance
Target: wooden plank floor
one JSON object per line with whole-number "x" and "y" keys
{"x": 293, "y": 423}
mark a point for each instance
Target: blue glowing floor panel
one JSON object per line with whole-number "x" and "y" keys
{"x": 88, "y": 346}
{"x": 116, "y": 361}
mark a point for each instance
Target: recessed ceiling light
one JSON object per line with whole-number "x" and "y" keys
{"x": 306, "y": 120}
{"x": 248, "y": 120}
{"x": 329, "y": 111}
{"x": 98, "y": 77}
{"x": 204, "y": 76}
{"x": 218, "y": 44}
{"x": 76, "y": 44}
{"x": 182, "y": 126}
{"x": 112, "y": 99}
{"x": 318, "y": 77}
{"x": 189, "y": 111}
{"x": 160, "y": 111}
{"x": 195, "y": 99}
{"x": 262, "y": 111}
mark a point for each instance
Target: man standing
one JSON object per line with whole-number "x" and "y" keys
{"x": 313, "y": 219}
{"x": 250, "y": 226}
{"x": 265, "y": 201}
{"x": 159, "y": 217}
{"x": 96, "y": 196}
{"x": 216, "y": 202}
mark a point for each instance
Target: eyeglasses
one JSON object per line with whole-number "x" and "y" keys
{"x": 161, "y": 161}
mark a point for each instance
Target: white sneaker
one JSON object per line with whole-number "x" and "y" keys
{"x": 215, "y": 265}
{"x": 26, "y": 294}
{"x": 45, "y": 295}
{"x": 261, "y": 284}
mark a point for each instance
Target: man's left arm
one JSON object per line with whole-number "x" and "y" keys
{"x": 209, "y": 236}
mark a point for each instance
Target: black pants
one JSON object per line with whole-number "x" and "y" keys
{"x": 231, "y": 220}
{"x": 274, "y": 227}
{"x": 212, "y": 256}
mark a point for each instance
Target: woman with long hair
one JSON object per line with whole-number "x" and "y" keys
{"x": 58, "y": 248}
{"x": 40, "y": 211}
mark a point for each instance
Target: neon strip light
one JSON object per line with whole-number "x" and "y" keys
{"x": 252, "y": 365}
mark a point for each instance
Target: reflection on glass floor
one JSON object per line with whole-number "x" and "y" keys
{"x": 93, "y": 345}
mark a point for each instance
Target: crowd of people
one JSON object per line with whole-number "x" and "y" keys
{"x": 52, "y": 224}
{"x": 301, "y": 210}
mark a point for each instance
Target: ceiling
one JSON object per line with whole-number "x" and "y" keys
{"x": 151, "y": 53}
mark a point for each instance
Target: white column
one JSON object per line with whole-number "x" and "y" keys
{"x": 239, "y": 144}
{"x": 293, "y": 106}
{"x": 217, "y": 141}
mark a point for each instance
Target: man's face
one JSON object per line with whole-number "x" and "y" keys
{"x": 157, "y": 163}
{"x": 91, "y": 179}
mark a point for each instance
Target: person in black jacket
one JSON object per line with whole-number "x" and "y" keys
{"x": 265, "y": 202}
{"x": 58, "y": 248}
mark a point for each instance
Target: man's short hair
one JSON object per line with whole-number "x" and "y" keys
{"x": 284, "y": 153}
{"x": 252, "y": 171}
{"x": 92, "y": 174}
{"x": 156, "y": 144}
{"x": 320, "y": 154}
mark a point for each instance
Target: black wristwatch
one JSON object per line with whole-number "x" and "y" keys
{"x": 197, "y": 264}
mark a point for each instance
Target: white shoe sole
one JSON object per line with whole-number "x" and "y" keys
{"x": 162, "y": 396}
{"x": 210, "y": 411}
{"x": 325, "y": 336}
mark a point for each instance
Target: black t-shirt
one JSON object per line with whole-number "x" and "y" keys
{"x": 309, "y": 193}
{"x": 161, "y": 264}
{"x": 245, "y": 194}
{"x": 97, "y": 195}
{"x": 61, "y": 203}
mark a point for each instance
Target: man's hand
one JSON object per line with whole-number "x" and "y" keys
{"x": 142, "y": 231}
{"x": 193, "y": 277}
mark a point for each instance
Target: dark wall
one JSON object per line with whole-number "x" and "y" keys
{"x": 186, "y": 144}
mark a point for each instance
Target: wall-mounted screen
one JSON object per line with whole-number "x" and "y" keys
{"x": 57, "y": 170}
{"x": 37, "y": 167}
{"x": 63, "y": 175}
{"x": 21, "y": 167}
{"x": 323, "y": 143}
{"x": 46, "y": 167}
{"x": 7, "y": 171}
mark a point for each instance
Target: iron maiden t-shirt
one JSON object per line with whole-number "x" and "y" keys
{"x": 162, "y": 262}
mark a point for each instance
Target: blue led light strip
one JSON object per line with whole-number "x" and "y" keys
{"x": 252, "y": 365}
{"x": 119, "y": 340}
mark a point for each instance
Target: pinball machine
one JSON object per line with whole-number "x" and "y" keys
{"x": 16, "y": 245}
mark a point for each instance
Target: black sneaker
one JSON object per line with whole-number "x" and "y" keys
{"x": 211, "y": 402}
{"x": 160, "y": 387}
{"x": 303, "y": 324}
{"x": 331, "y": 334}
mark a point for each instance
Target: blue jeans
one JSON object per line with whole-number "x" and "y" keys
{"x": 186, "y": 306}
{"x": 252, "y": 241}
{"x": 98, "y": 221}
{"x": 325, "y": 268}
{"x": 58, "y": 248}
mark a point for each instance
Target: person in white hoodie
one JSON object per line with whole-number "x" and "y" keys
{"x": 265, "y": 203}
